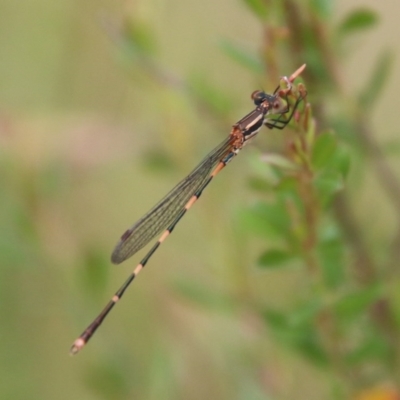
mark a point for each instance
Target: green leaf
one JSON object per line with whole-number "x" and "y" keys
{"x": 157, "y": 160}
{"x": 279, "y": 161}
{"x": 276, "y": 319}
{"x": 140, "y": 37}
{"x": 342, "y": 161}
{"x": 270, "y": 172}
{"x": 274, "y": 258}
{"x": 311, "y": 347}
{"x": 306, "y": 313}
{"x": 323, "y": 150}
{"x": 303, "y": 316}
{"x": 357, "y": 20}
{"x": 267, "y": 220}
{"x": 328, "y": 184}
{"x": 374, "y": 348}
{"x": 393, "y": 293}
{"x": 259, "y": 184}
{"x": 258, "y": 7}
{"x": 249, "y": 220}
{"x": 378, "y": 79}
{"x": 327, "y": 154}
{"x": 331, "y": 256}
{"x": 345, "y": 130}
{"x": 242, "y": 56}
{"x": 356, "y": 303}
{"x": 303, "y": 337}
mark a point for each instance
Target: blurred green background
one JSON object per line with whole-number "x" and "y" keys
{"x": 105, "y": 106}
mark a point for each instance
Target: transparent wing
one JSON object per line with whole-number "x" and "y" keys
{"x": 168, "y": 208}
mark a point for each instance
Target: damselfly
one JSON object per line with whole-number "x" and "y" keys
{"x": 167, "y": 213}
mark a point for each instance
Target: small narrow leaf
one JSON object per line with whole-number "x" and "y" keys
{"x": 360, "y": 19}
{"x": 258, "y": 7}
{"x": 375, "y": 348}
{"x": 356, "y": 303}
{"x": 378, "y": 79}
{"x": 279, "y": 161}
{"x": 276, "y": 319}
{"x": 306, "y": 313}
{"x": 303, "y": 337}
{"x": 259, "y": 184}
{"x": 274, "y": 258}
{"x": 157, "y": 160}
{"x": 140, "y": 38}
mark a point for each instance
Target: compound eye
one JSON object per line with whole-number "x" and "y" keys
{"x": 258, "y": 97}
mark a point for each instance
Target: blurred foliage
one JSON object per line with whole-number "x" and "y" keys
{"x": 296, "y": 296}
